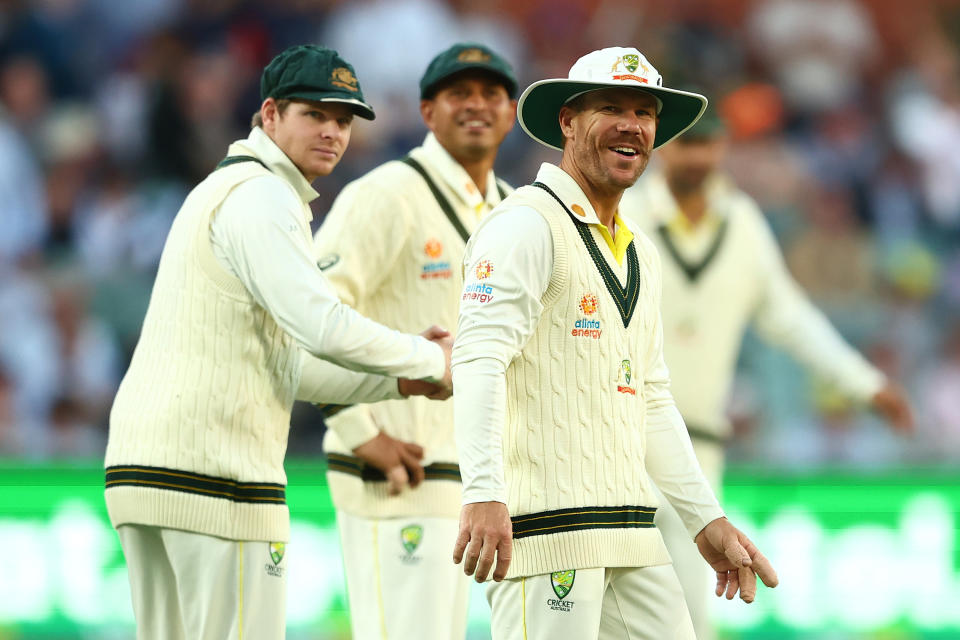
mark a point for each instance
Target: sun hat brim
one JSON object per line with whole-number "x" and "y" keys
{"x": 539, "y": 108}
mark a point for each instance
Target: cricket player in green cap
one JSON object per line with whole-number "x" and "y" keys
{"x": 242, "y": 322}
{"x": 391, "y": 246}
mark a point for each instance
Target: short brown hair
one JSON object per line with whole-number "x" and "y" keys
{"x": 257, "y": 120}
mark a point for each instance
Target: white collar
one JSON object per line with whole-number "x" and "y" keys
{"x": 569, "y": 192}
{"x": 455, "y": 176}
{"x": 261, "y": 146}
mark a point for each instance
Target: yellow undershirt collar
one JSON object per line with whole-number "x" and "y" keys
{"x": 618, "y": 246}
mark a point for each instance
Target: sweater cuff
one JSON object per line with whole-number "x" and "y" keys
{"x": 354, "y": 426}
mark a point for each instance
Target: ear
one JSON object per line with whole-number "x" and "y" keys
{"x": 426, "y": 112}
{"x": 513, "y": 113}
{"x": 269, "y": 114}
{"x": 566, "y": 121}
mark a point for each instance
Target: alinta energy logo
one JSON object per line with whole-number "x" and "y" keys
{"x": 438, "y": 269}
{"x": 484, "y": 269}
{"x": 277, "y": 550}
{"x": 410, "y": 538}
{"x": 433, "y": 248}
{"x": 479, "y": 291}
{"x": 562, "y": 583}
{"x": 586, "y": 327}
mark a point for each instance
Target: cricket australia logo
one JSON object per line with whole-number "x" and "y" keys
{"x": 631, "y": 62}
{"x": 562, "y": 583}
{"x": 276, "y": 550}
{"x": 624, "y": 376}
{"x": 344, "y": 78}
{"x": 410, "y": 537}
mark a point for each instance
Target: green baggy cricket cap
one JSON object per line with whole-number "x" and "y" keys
{"x": 311, "y": 72}
{"x": 466, "y": 56}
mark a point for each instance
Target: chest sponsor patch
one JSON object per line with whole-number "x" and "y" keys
{"x": 434, "y": 270}
{"x": 433, "y": 248}
{"x": 587, "y": 327}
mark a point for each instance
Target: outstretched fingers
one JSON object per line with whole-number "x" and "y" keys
{"x": 759, "y": 563}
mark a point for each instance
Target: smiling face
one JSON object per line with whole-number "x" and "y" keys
{"x": 608, "y": 137}
{"x": 313, "y": 135}
{"x": 470, "y": 115}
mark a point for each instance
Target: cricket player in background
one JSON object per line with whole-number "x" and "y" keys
{"x": 722, "y": 271}
{"x": 392, "y": 246}
{"x": 563, "y": 411}
{"x": 241, "y": 322}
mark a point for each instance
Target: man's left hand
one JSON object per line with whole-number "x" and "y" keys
{"x": 735, "y": 559}
{"x": 891, "y": 402}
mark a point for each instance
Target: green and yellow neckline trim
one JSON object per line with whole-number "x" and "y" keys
{"x": 624, "y": 296}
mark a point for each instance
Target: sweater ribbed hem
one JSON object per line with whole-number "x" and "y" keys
{"x": 439, "y": 498}
{"x": 198, "y": 514}
{"x": 587, "y": 549}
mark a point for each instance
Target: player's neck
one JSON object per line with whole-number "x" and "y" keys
{"x": 693, "y": 205}
{"x": 478, "y": 172}
{"x": 603, "y": 198}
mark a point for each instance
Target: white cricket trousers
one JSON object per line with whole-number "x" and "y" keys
{"x": 189, "y": 586}
{"x": 401, "y": 580}
{"x": 696, "y": 577}
{"x": 591, "y": 604}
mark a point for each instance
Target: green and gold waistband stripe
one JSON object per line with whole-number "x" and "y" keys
{"x": 189, "y": 482}
{"x": 357, "y": 467}
{"x": 546, "y": 522}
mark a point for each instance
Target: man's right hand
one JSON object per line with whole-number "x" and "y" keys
{"x": 443, "y": 338}
{"x": 430, "y": 390}
{"x": 485, "y": 532}
{"x": 398, "y": 460}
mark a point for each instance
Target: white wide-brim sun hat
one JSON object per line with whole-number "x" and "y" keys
{"x": 612, "y": 68}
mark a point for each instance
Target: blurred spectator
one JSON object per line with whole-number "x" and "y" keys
{"x": 11, "y": 433}
{"x": 845, "y": 117}
{"x": 23, "y": 215}
{"x": 925, "y": 117}
{"x": 817, "y": 50}
{"x": 940, "y": 400}
{"x": 88, "y": 373}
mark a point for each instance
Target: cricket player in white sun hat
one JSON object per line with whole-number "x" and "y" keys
{"x": 563, "y": 414}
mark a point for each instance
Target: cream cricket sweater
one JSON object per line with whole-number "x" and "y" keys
{"x": 574, "y": 454}
{"x": 198, "y": 430}
{"x": 390, "y": 251}
{"x": 719, "y": 277}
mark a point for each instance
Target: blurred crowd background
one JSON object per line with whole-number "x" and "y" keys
{"x": 844, "y": 117}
